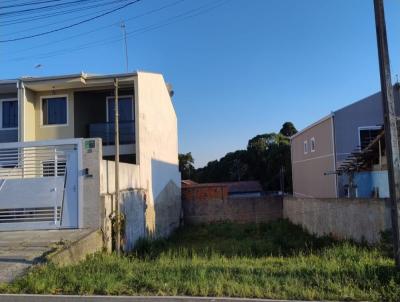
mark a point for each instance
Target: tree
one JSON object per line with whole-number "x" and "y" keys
{"x": 186, "y": 167}
{"x": 288, "y": 129}
{"x": 263, "y": 160}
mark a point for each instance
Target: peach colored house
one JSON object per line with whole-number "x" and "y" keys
{"x": 313, "y": 157}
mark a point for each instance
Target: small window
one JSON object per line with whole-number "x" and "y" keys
{"x": 312, "y": 142}
{"x": 9, "y": 114}
{"x": 54, "y": 111}
{"x": 305, "y": 147}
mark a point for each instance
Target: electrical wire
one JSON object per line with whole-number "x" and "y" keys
{"x": 58, "y": 12}
{"x": 71, "y": 25}
{"x": 28, "y": 3}
{"x": 57, "y": 22}
{"x": 102, "y": 27}
{"x": 188, "y": 14}
{"x": 42, "y": 8}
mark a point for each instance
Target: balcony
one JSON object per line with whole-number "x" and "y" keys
{"x": 106, "y": 132}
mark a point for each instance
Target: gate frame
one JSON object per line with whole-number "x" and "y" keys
{"x": 59, "y": 142}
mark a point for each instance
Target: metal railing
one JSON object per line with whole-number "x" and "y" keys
{"x": 106, "y": 132}
{"x": 33, "y": 162}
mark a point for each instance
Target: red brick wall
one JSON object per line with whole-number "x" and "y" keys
{"x": 203, "y": 192}
{"x": 206, "y": 204}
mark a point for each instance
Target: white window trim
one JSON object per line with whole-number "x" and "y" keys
{"x": 366, "y": 128}
{"x": 312, "y": 140}
{"x": 41, "y": 110}
{"x": 1, "y": 113}
{"x": 305, "y": 147}
{"x": 120, "y": 97}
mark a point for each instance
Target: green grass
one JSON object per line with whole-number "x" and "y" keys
{"x": 276, "y": 260}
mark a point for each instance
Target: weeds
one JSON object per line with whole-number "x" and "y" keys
{"x": 276, "y": 260}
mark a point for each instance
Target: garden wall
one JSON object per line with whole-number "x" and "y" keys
{"x": 213, "y": 204}
{"x": 344, "y": 218}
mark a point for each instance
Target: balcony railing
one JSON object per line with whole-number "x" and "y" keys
{"x": 106, "y": 132}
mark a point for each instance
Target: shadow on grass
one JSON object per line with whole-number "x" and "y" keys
{"x": 278, "y": 238}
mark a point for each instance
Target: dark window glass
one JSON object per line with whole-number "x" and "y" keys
{"x": 367, "y": 136}
{"x": 10, "y": 114}
{"x": 54, "y": 111}
{"x": 124, "y": 107}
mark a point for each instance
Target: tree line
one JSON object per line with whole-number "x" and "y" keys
{"x": 266, "y": 159}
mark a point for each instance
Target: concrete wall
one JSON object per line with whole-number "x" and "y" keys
{"x": 92, "y": 205}
{"x": 308, "y": 169}
{"x": 212, "y": 204}
{"x": 129, "y": 177}
{"x": 28, "y": 122}
{"x": 343, "y": 218}
{"x": 157, "y": 153}
{"x": 133, "y": 206}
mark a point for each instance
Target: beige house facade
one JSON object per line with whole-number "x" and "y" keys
{"x": 313, "y": 160}
{"x": 46, "y": 111}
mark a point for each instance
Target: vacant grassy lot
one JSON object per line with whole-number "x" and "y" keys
{"x": 276, "y": 260}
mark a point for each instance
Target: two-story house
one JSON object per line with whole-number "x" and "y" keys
{"x": 320, "y": 151}
{"x": 42, "y": 123}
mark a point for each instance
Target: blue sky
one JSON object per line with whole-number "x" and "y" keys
{"x": 239, "y": 68}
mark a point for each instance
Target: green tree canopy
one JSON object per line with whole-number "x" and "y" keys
{"x": 264, "y": 158}
{"x": 288, "y": 129}
{"x": 186, "y": 167}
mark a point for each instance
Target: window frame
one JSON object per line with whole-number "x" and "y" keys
{"x": 1, "y": 113}
{"x": 56, "y": 96}
{"x": 305, "y": 146}
{"x": 312, "y": 140}
{"x": 120, "y": 97}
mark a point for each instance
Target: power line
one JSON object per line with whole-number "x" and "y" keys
{"x": 188, "y": 14}
{"x": 149, "y": 12}
{"x": 28, "y": 3}
{"x": 29, "y": 10}
{"x": 71, "y": 25}
{"x": 46, "y": 25}
{"x": 59, "y": 12}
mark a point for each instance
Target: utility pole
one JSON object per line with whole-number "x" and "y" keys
{"x": 123, "y": 26}
{"x": 116, "y": 141}
{"x": 391, "y": 135}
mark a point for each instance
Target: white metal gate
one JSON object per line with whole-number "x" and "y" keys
{"x": 38, "y": 186}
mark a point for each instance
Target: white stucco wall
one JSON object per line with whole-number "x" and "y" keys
{"x": 157, "y": 152}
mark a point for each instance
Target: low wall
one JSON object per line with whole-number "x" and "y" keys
{"x": 132, "y": 205}
{"x": 212, "y": 204}
{"x": 128, "y": 176}
{"x": 344, "y": 218}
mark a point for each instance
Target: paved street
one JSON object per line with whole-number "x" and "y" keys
{"x": 20, "y": 249}
{"x": 48, "y": 298}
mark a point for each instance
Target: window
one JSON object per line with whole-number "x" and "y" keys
{"x": 367, "y": 135}
{"x": 312, "y": 143}
{"x": 54, "y": 110}
{"x": 125, "y": 108}
{"x": 305, "y": 147}
{"x": 9, "y": 114}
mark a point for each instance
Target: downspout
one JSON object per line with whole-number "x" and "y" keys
{"x": 334, "y": 153}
